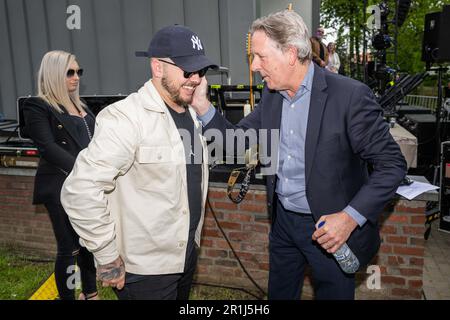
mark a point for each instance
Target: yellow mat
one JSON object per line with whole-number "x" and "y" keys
{"x": 47, "y": 291}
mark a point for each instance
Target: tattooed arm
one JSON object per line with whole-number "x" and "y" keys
{"x": 112, "y": 274}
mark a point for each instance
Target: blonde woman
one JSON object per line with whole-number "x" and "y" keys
{"x": 334, "y": 63}
{"x": 61, "y": 126}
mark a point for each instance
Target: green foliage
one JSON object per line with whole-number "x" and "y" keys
{"x": 348, "y": 15}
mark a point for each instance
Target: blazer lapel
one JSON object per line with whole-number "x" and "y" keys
{"x": 316, "y": 108}
{"x": 67, "y": 124}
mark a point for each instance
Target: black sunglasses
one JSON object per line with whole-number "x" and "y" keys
{"x": 187, "y": 75}
{"x": 71, "y": 73}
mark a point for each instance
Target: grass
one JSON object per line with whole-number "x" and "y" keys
{"x": 22, "y": 274}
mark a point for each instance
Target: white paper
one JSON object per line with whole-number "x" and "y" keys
{"x": 414, "y": 189}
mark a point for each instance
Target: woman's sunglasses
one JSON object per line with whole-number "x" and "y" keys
{"x": 71, "y": 72}
{"x": 201, "y": 73}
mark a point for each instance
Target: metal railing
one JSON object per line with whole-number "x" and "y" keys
{"x": 429, "y": 102}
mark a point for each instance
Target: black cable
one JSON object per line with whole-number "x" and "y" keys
{"x": 234, "y": 252}
{"x": 227, "y": 287}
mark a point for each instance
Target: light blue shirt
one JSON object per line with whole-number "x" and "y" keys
{"x": 291, "y": 186}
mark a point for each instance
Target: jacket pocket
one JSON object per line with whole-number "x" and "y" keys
{"x": 157, "y": 154}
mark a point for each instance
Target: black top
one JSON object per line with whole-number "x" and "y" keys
{"x": 194, "y": 158}
{"x": 193, "y": 152}
{"x": 84, "y": 133}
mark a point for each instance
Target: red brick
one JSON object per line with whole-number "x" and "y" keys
{"x": 397, "y": 218}
{"x": 389, "y": 229}
{"x": 217, "y": 194}
{"x": 397, "y": 239}
{"x": 239, "y": 217}
{"x": 252, "y": 247}
{"x": 420, "y": 242}
{"x": 206, "y": 242}
{"x": 261, "y": 197}
{"x": 223, "y": 244}
{"x": 409, "y": 251}
{"x": 385, "y": 248}
{"x": 411, "y": 272}
{"x": 415, "y": 284}
{"x": 225, "y": 205}
{"x": 216, "y": 253}
{"x": 262, "y": 228}
{"x": 393, "y": 280}
{"x": 411, "y": 209}
{"x": 264, "y": 266}
{"x": 226, "y": 263}
{"x": 211, "y": 233}
{"x": 417, "y": 219}
{"x": 230, "y": 225}
{"x": 413, "y": 230}
{"x": 416, "y": 261}
{"x": 400, "y": 292}
{"x": 254, "y": 208}
{"x": 395, "y": 260}
{"x": 239, "y": 236}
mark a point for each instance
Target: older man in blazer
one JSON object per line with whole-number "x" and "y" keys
{"x": 331, "y": 129}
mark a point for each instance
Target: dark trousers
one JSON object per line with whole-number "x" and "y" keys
{"x": 175, "y": 286}
{"x": 290, "y": 249}
{"x": 69, "y": 254}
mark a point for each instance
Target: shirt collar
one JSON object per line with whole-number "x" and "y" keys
{"x": 306, "y": 84}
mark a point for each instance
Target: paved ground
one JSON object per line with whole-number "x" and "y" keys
{"x": 436, "y": 277}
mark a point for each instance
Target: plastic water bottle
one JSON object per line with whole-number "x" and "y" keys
{"x": 347, "y": 260}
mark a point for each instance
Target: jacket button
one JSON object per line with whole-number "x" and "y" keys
{"x": 181, "y": 244}
{"x": 269, "y": 204}
{"x": 60, "y": 126}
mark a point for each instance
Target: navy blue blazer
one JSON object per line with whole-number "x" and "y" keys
{"x": 345, "y": 133}
{"x": 56, "y": 138}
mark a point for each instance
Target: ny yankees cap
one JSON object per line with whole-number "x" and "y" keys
{"x": 180, "y": 44}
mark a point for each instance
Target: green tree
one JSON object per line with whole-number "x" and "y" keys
{"x": 349, "y": 15}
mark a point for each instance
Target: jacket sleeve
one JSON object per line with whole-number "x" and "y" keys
{"x": 110, "y": 154}
{"x": 219, "y": 130}
{"x": 37, "y": 125}
{"x": 370, "y": 138}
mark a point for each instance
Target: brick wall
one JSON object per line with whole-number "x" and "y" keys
{"x": 400, "y": 259}
{"x": 22, "y": 224}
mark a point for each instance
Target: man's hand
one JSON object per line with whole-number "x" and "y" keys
{"x": 335, "y": 232}
{"x": 323, "y": 64}
{"x": 200, "y": 101}
{"x": 112, "y": 274}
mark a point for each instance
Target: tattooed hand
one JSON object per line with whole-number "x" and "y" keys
{"x": 112, "y": 274}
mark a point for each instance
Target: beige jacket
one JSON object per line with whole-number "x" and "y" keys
{"x": 127, "y": 193}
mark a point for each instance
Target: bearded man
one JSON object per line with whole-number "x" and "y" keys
{"x": 136, "y": 195}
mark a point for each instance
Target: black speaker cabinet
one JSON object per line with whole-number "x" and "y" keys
{"x": 436, "y": 45}
{"x": 423, "y": 127}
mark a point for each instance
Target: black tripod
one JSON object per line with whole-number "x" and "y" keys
{"x": 439, "y": 114}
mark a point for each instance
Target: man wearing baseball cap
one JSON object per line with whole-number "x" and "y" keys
{"x": 136, "y": 195}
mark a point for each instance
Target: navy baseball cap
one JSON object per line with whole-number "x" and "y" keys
{"x": 180, "y": 44}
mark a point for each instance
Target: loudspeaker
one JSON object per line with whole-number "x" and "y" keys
{"x": 435, "y": 45}
{"x": 423, "y": 127}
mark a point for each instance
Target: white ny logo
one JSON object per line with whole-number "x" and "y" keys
{"x": 196, "y": 42}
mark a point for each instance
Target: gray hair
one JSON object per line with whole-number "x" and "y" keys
{"x": 287, "y": 29}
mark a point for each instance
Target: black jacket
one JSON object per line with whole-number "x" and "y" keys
{"x": 345, "y": 132}
{"x": 55, "y": 137}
